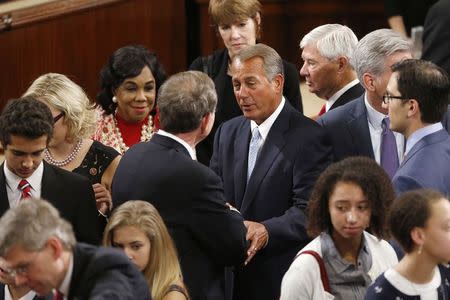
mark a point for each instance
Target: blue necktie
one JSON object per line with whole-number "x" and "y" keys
{"x": 388, "y": 153}
{"x": 253, "y": 150}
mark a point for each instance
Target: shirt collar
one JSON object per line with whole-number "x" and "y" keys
{"x": 65, "y": 285}
{"x": 420, "y": 133}
{"x": 12, "y": 180}
{"x": 374, "y": 116}
{"x": 339, "y": 93}
{"x": 265, "y": 126}
{"x": 179, "y": 140}
{"x": 28, "y": 296}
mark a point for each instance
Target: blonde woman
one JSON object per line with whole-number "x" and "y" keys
{"x": 71, "y": 148}
{"x": 137, "y": 228}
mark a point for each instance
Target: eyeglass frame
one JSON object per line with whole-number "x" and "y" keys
{"x": 57, "y": 117}
{"x": 389, "y": 97}
{"x": 20, "y": 270}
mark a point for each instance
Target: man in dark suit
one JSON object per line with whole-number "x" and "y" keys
{"x": 436, "y": 35}
{"x": 188, "y": 195}
{"x": 356, "y": 128}
{"x": 268, "y": 159}
{"x": 38, "y": 250}
{"x": 326, "y": 53}
{"x": 26, "y": 126}
{"x": 417, "y": 97}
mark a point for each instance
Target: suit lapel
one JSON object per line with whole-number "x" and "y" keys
{"x": 359, "y": 129}
{"x": 352, "y": 93}
{"x": 241, "y": 144}
{"x": 272, "y": 146}
{"x": 4, "y": 202}
{"x": 48, "y": 186}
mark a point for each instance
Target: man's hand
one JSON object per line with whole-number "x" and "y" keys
{"x": 102, "y": 198}
{"x": 258, "y": 236}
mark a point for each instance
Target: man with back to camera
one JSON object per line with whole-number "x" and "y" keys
{"x": 188, "y": 195}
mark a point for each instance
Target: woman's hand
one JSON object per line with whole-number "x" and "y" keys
{"x": 103, "y": 198}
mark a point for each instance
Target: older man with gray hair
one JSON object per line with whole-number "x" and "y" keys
{"x": 361, "y": 127}
{"x": 38, "y": 250}
{"x": 326, "y": 54}
{"x": 188, "y": 195}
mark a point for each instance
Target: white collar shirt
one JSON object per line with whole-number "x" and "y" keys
{"x": 339, "y": 93}
{"x": 191, "y": 151}
{"x": 12, "y": 184}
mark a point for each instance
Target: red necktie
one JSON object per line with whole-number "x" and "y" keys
{"x": 323, "y": 110}
{"x": 25, "y": 187}
{"x": 58, "y": 295}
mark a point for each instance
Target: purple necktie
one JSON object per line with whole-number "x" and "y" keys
{"x": 388, "y": 154}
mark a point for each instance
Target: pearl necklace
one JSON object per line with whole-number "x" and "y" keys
{"x": 60, "y": 163}
{"x": 146, "y": 133}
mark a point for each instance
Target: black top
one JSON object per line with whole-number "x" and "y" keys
{"x": 96, "y": 161}
{"x": 227, "y": 106}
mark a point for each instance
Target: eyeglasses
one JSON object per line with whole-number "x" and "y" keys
{"x": 387, "y": 98}
{"x": 21, "y": 269}
{"x": 56, "y": 118}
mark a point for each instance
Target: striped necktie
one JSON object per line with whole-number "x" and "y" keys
{"x": 25, "y": 188}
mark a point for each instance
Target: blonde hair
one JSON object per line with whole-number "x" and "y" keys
{"x": 163, "y": 268}
{"x": 229, "y": 11}
{"x": 59, "y": 92}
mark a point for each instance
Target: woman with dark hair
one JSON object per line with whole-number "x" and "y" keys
{"x": 348, "y": 201}
{"x": 238, "y": 23}
{"x": 420, "y": 221}
{"x": 129, "y": 85}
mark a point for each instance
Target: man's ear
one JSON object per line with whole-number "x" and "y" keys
{"x": 413, "y": 108}
{"x": 55, "y": 247}
{"x": 369, "y": 82}
{"x": 342, "y": 63}
{"x": 278, "y": 82}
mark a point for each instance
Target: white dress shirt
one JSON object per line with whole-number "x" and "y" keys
{"x": 12, "y": 184}
{"x": 375, "y": 119}
{"x": 181, "y": 141}
{"x": 339, "y": 93}
{"x": 265, "y": 126}
{"x": 28, "y": 296}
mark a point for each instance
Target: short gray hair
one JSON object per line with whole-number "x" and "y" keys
{"x": 373, "y": 49}
{"x": 331, "y": 40}
{"x": 273, "y": 64}
{"x": 184, "y": 99}
{"x": 31, "y": 224}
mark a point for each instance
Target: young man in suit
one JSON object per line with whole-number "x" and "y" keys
{"x": 26, "y": 127}
{"x": 417, "y": 97}
{"x": 268, "y": 160}
{"x": 188, "y": 195}
{"x": 326, "y": 54}
{"x": 38, "y": 250}
{"x": 359, "y": 127}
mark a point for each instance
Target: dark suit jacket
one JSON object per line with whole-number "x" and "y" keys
{"x": 105, "y": 273}
{"x": 71, "y": 194}
{"x": 436, "y": 35}
{"x": 295, "y": 152}
{"x": 348, "y": 129}
{"x": 189, "y": 197}
{"x": 352, "y": 93}
{"x": 446, "y": 119}
{"x": 426, "y": 165}
{"x": 2, "y": 294}
{"x": 227, "y": 106}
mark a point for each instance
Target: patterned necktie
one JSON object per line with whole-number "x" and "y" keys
{"x": 253, "y": 150}
{"x": 388, "y": 154}
{"x": 25, "y": 188}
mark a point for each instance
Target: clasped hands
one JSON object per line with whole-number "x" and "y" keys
{"x": 258, "y": 236}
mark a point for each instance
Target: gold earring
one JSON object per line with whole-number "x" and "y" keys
{"x": 420, "y": 250}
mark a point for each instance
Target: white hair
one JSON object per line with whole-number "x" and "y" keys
{"x": 332, "y": 41}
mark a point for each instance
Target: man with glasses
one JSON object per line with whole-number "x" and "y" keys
{"x": 416, "y": 97}
{"x": 38, "y": 250}
{"x": 26, "y": 127}
{"x": 361, "y": 127}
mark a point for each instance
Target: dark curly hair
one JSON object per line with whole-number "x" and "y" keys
{"x": 26, "y": 117}
{"x": 126, "y": 62}
{"x": 411, "y": 209}
{"x": 369, "y": 176}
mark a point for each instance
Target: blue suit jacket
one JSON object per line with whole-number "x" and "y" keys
{"x": 295, "y": 152}
{"x": 348, "y": 130}
{"x": 426, "y": 165}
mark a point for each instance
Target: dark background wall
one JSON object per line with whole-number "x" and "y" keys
{"x": 75, "y": 37}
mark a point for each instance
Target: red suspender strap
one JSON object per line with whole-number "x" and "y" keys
{"x": 323, "y": 271}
